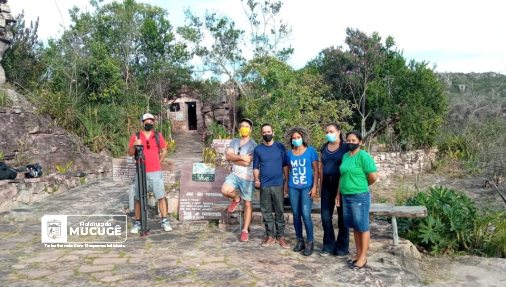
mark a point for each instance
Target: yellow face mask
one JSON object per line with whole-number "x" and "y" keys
{"x": 244, "y": 131}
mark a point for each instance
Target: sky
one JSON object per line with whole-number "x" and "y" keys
{"x": 457, "y": 36}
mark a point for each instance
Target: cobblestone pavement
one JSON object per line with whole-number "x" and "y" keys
{"x": 186, "y": 256}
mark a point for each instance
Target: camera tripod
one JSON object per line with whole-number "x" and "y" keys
{"x": 140, "y": 168}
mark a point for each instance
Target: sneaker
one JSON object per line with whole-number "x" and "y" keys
{"x": 341, "y": 255}
{"x": 244, "y": 236}
{"x": 324, "y": 253}
{"x": 166, "y": 226}
{"x": 135, "y": 229}
{"x": 283, "y": 243}
{"x": 233, "y": 205}
{"x": 268, "y": 241}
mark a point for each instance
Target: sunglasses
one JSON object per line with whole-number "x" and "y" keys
{"x": 147, "y": 144}
{"x": 239, "y": 151}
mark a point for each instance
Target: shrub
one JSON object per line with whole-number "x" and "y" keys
{"x": 454, "y": 224}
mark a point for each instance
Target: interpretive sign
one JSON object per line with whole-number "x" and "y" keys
{"x": 197, "y": 197}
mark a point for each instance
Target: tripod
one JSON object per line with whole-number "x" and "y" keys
{"x": 140, "y": 168}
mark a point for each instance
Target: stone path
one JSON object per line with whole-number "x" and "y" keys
{"x": 189, "y": 149}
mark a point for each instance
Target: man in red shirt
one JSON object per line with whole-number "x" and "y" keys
{"x": 154, "y": 176}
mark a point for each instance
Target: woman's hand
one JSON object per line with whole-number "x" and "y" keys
{"x": 312, "y": 192}
{"x": 338, "y": 199}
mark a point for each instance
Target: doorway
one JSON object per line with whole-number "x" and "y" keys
{"x": 192, "y": 115}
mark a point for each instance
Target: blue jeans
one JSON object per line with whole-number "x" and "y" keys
{"x": 301, "y": 203}
{"x": 330, "y": 244}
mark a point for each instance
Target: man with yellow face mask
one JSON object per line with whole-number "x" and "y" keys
{"x": 240, "y": 153}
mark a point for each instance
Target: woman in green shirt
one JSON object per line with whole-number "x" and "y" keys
{"x": 358, "y": 171}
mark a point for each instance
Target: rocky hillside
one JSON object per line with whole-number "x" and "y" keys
{"x": 27, "y": 137}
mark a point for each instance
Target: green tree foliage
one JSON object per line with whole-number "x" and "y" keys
{"x": 287, "y": 98}
{"x": 219, "y": 43}
{"x": 22, "y": 64}
{"x": 383, "y": 89}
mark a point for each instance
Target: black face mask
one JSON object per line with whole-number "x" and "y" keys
{"x": 148, "y": 127}
{"x": 267, "y": 138}
{"x": 353, "y": 146}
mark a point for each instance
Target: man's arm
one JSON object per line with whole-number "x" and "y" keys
{"x": 243, "y": 160}
{"x": 286, "y": 170}
{"x": 163, "y": 155}
{"x": 256, "y": 175}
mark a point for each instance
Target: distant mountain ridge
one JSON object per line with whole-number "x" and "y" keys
{"x": 478, "y": 83}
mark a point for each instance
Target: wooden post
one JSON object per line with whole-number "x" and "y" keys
{"x": 241, "y": 221}
{"x": 394, "y": 230}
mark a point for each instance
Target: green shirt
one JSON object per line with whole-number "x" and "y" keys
{"x": 354, "y": 170}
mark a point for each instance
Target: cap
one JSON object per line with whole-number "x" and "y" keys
{"x": 147, "y": 117}
{"x": 250, "y": 122}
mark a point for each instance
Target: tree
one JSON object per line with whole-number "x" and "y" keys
{"x": 351, "y": 72}
{"x": 384, "y": 90}
{"x": 222, "y": 52}
{"x": 223, "y": 56}
{"x": 287, "y": 98}
{"x": 21, "y": 62}
{"x": 267, "y": 33}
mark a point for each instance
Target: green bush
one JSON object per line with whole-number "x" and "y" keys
{"x": 454, "y": 225}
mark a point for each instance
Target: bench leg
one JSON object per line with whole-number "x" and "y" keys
{"x": 394, "y": 230}
{"x": 241, "y": 222}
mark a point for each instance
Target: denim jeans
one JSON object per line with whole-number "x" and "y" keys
{"x": 356, "y": 211}
{"x": 272, "y": 197}
{"x": 330, "y": 244}
{"x": 301, "y": 203}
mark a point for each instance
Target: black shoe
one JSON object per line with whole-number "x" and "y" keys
{"x": 351, "y": 261}
{"x": 300, "y": 245}
{"x": 356, "y": 267}
{"x": 308, "y": 251}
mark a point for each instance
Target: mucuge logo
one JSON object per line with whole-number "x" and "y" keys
{"x": 54, "y": 228}
{"x": 101, "y": 230}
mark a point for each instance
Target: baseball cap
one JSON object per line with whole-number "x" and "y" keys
{"x": 250, "y": 122}
{"x": 147, "y": 117}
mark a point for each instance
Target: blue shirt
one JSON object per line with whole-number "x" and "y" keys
{"x": 332, "y": 160}
{"x": 301, "y": 168}
{"x": 270, "y": 160}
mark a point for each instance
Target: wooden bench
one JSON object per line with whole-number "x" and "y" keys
{"x": 377, "y": 209}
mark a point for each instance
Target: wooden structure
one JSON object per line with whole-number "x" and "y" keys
{"x": 377, "y": 209}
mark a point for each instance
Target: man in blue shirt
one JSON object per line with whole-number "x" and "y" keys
{"x": 268, "y": 163}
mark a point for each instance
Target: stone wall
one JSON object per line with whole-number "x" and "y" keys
{"x": 20, "y": 191}
{"x": 388, "y": 163}
{"x": 410, "y": 162}
{"x": 180, "y": 118}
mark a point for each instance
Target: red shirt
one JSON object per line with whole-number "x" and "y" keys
{"x": 152, "y": 154}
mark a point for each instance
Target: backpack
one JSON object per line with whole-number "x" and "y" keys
{"x": 7, "y": 172}
{"x": 157, "y": 139}
{"x": 33, "y": 170}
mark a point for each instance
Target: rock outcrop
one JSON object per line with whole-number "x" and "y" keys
{"x": 5, "y": 34}
{"x": 26, "y": 137}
